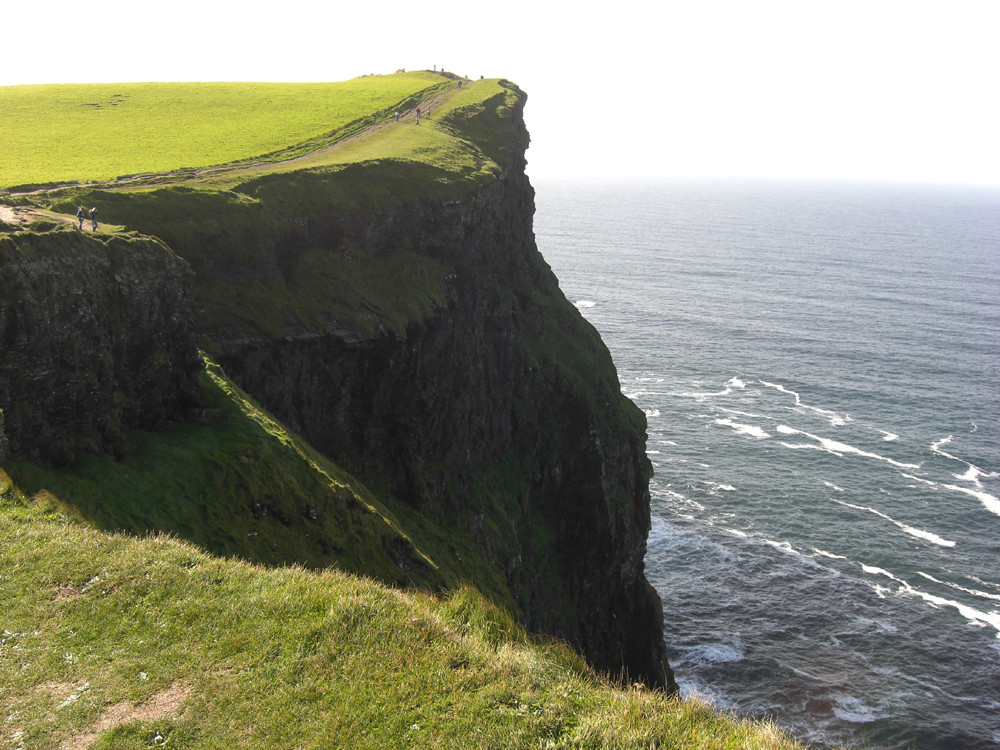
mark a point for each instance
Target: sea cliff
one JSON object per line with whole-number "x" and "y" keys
{"x": 405, "y": 325}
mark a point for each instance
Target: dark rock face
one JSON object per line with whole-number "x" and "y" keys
{"x": 95, "y": 339}
{"x": 444, "y": 368}
{"x": 500, "y": 416}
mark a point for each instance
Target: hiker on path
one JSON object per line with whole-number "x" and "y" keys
{"x": 93, "y": 217}
{"x": 79, "y": 215}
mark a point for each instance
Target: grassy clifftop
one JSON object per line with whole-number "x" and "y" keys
{"x": 124, "y": 135}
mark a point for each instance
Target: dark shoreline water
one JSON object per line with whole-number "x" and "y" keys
{"x": 820, "y": 368}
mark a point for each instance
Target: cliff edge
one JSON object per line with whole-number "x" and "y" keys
{"x": 396, "y": 313}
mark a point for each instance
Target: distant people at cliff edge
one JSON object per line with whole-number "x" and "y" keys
{"x": 79, "y": 215}
{"x": 93, "y": 218}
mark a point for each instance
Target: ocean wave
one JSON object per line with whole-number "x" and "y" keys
{"x": 652, "y": 412}
{"x": 711, "y": 653}
{"x": 991, "y": 503}
{"x": 715, "y": 487}
{"x": 851, "y": 709}
{"x": 585, "y": 303}
{"x": 972, "y": 472}
{"x": 915, "y": 532}
{"x": 824, "y": 553}
{"x": 972, "y": 615}
{"x": 888, "y": 437}
{"x": 974, "y": 592}
{"x": 836, "y": 420}
{"x": 744, "y": 429}
{"x": 841, "y": 449}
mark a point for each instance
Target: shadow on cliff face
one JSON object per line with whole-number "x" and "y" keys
{"x": 232, "y": 480}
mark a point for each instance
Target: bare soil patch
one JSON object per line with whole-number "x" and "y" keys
{"x": 162, "y": 705}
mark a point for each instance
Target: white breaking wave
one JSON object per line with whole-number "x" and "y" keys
{"x": 991, "y": 503}
{"x": 974, "y": 616}
{"x": 851, "y": 709}
{"x": 744, "y": 429}
{"x": 919, "y": 533}
{"x": 832, "y": 486}
{"x": 974, "y": 592}
{"x": 972, "y": 473}
{"x": 889, "y": 437}
{"x": 918, "y": 479}
{"x": 652, "y": 412}
{"x": 824, "y": 553}
{"x": 836, "y": 420}
{"x": 585, "y": 303}
{"x": 840, "y": 449}
{"x": 715, "y": 488}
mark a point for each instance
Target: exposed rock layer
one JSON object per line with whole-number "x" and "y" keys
{"x": 95, "y": 339}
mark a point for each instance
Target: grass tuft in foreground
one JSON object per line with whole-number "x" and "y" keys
{"x": 111, "y": 641}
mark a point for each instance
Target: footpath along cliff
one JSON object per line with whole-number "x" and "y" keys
{"x": 403, "y": 322}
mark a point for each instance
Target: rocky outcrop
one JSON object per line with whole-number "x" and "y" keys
{"x": 495, "y": 410}
{"x": 95, "y": 339}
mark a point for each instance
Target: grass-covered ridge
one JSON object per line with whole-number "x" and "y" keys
{"x": 110, "y": 641}
{"x": 85, "y": 132}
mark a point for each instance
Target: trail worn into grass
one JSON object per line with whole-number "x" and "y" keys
{"x": 248, "y": 166}
{"x": 164, "y": 704}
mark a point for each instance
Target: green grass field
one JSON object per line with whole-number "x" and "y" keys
{"x": 83, "y": 132}
{"x": 111, "y": 642}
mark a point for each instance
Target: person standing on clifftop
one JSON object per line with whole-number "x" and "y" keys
{"x": 79, "y": 215}
{"x": 93, "y": 218}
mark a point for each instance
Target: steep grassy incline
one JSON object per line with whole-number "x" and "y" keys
{"x": 112, "y": 642}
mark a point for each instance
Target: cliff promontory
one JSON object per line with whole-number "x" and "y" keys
{"x": 395, "y": 313}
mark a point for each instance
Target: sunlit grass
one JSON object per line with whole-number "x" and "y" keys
{"x": 83, "y": 132}
{"x": 99, "y": 628}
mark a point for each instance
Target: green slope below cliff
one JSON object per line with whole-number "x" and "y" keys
{"x": 111, "y": 641}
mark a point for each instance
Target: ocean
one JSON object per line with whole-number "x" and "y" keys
{"x": 820, "y": 369}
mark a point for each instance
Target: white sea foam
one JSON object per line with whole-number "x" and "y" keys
{"x": 974, "y": 592}
{"x": 832, "y": 486}
{"x": 974, "y": 616}
{"x": 583, "y": 303}
{"x": 714, "y": 488}
{"x": 748, "y": 414}
{"x": 824, "y": 553}
{"x": 744, "y": 429}
{"x": 991, "y": 503}
{"x": 918, "y": 479}
{"x": 871, "y": 569}
{"x": 836, "y": 420}
{"x": 840, "y": 449}
{"x": 851, "y": 709}
{"x": 889, "y": 437}
{"x": 918, "y": 533}
{"x": 735, "y": 382}
{"x": 711, "y": 653}
{"x": 652, "y": 412}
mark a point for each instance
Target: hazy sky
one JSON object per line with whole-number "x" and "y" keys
{"x": 807, "y": 88}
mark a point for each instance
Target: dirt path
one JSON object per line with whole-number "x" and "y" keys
{"x": 19, "y": 215}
